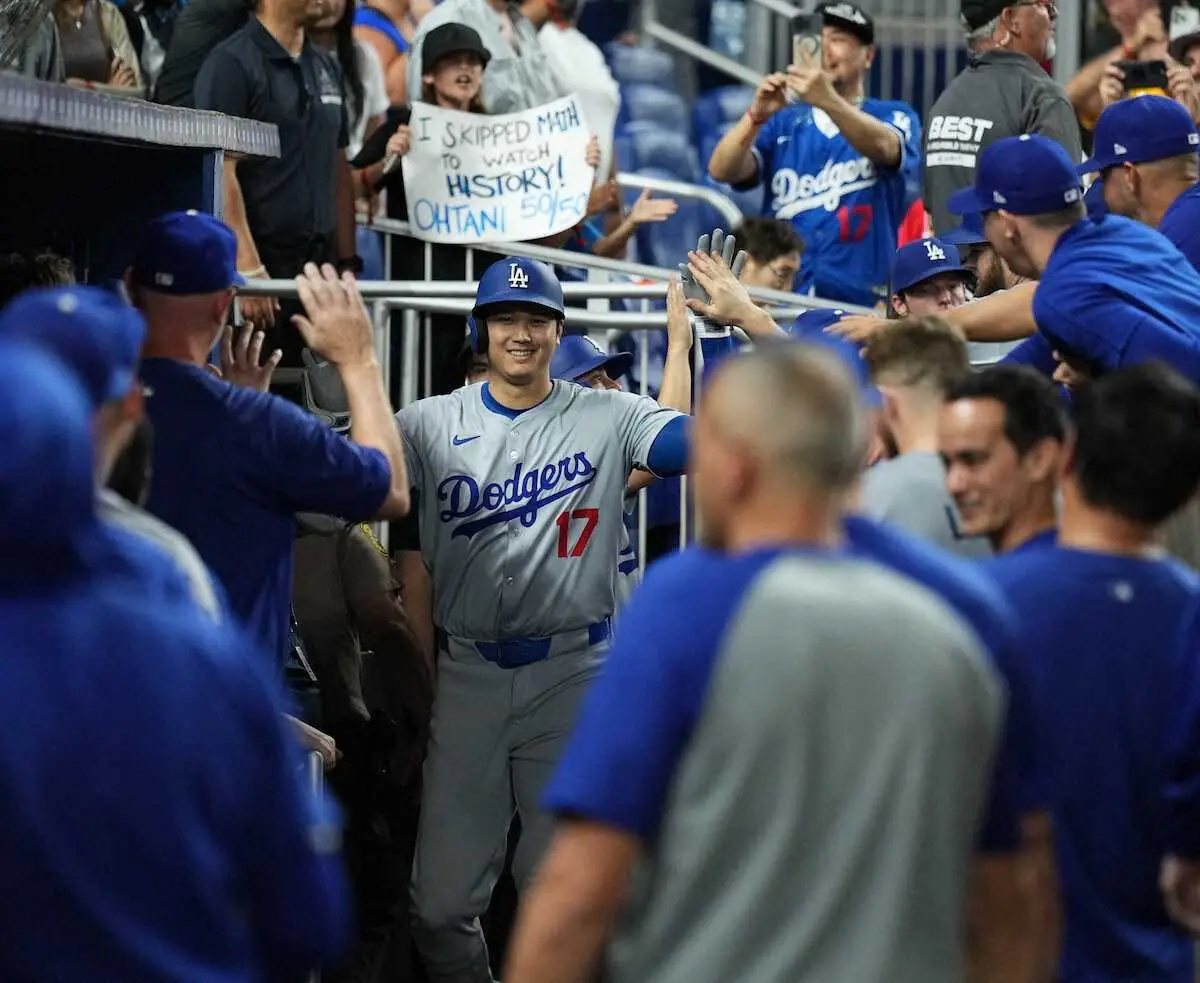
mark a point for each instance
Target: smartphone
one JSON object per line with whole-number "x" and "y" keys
{"x": 1145, "y": 77}
{"x": 806, "y": 40}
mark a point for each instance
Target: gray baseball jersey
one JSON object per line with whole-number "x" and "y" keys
{"x": 520, "y": 513}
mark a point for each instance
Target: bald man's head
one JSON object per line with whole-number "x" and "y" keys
{"x": 781, "y": 421}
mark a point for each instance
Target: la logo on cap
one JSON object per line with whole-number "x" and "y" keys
{"x": 1119, "y": 150}
{"x": 596, "y": 348}
{"x": 934, "y": 251}
{"x": 518, "y": 279}
{"x": 998, "y": 198}
{"x": 1193, "y": 139}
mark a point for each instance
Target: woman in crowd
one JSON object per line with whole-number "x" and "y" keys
{"x": 95, "y": 43}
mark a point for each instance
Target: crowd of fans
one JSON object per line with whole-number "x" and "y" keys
{"x": 769, "y": 779}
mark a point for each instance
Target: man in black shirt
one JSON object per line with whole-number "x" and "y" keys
{"x": 1003, "y": 92}
{"x": 299, "y": 207}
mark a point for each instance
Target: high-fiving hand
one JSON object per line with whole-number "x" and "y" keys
{"x": 337, "y": 326}
{"x": 711, "y": 286}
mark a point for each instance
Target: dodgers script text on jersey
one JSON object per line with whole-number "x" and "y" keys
{"x": 521, "y": 513}
{"x": 847, "y": 209}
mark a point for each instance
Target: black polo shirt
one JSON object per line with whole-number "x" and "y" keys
{"x": 289, "y": 199}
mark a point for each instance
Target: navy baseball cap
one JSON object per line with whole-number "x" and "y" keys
{"x": 919, "y": 261}
{"x": 92, "y": 331}
{"x": 577, "y": 355}
{"x": 970, "y": 233}
{"x": 849, "y": 17}
{"x": 1025, "y": 175}
{"x": 46, "y": 483}
{"x": 1141, "y": 130}
{"x": 810, "y": 328}
{"x": 187, "y": 253}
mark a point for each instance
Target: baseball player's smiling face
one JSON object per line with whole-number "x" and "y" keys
{"x": 990, "y": 482}
{"x": 521, "y": 343}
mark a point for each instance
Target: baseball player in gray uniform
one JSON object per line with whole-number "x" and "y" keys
{"x": 580, "y": 360}
{"x": 518, "y": 482}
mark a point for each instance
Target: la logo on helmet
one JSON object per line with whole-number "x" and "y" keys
{"x": 517, "y": 277}
{"x": 934, "y": 251}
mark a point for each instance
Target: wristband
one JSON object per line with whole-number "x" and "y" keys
{"x": 258, "y": 271}
{"x": 1128, "y": 52}
{"x": 754, "y": 119}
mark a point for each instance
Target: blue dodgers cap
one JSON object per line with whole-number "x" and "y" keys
{"x": 92, "y": 331}
{"x": 519, "y": 281}
{"x": 1025, "y": 175}
{"x": 809, "y": 328}
{"x": 1141, "y": 130}
{"x": 186, "y": 253}
{"x": 46, "y": 464}
{"x": 919, "y": 261}
{"x": 970, "y": 233}
{"x": 577, "y": 355}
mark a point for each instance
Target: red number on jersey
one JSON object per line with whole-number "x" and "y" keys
{"x": 590, "y": 517}
{"x": 855, "y": 222}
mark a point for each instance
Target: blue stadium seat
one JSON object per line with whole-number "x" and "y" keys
{"x": 667, "y": 243}
{"x": 638, "y": 65}
{"x": 653, "y": 104}
{"x": 647, "y": 145}
{"x": 749, "y": 202}
{"x": 717, "y": 108}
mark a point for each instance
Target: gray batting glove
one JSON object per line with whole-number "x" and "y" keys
{"x": 726, "y": 247}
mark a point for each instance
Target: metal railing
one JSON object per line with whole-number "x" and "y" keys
{"x": 624, "y": 268}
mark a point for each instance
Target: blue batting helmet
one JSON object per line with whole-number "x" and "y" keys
{"x": 577, "y": 355}
{"x": 514, "y": 282}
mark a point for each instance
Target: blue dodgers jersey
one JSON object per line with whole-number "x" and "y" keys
{"x": 232, "y": 467}
{"x": 1181, "y": 224}
{"x": 846, "y": 208}
{"x": 1105, "y": 640}
{"x": 1118, "y": 293}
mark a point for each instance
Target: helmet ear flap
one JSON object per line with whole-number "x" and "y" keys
{"x": 477, "y": 329}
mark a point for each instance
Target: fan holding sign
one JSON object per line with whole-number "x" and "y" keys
{"x": 470, "y": 177}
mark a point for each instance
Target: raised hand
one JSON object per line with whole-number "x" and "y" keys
{"x": 646, "y": 209}
{"x": 337, "y": 326}
{"x": 240, "y": 359}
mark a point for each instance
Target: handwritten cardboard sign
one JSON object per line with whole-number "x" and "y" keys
{"x": 474, "y": 178}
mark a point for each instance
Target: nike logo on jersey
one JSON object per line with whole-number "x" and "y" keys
{"x": 458, "y": 441}
{"x": 795, "y": 193}
{"x": 520, "y": 497}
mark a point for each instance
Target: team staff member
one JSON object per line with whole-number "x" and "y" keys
{"x": 928, "y": 278}
{"x": 1001, "y": 437}
{"x": 298, "y": 207}
{"x": 836, "y": 164}
{"x": 1146, "y": 155}
{"x": 1103, "y": 618}
{"x": 97, "y": 336}
{"x": 914, "y": 366}
{"x": 1003, "y": 92}
{"x": 157, "y": 824}
{"x": 518, "y": 486}
{"x": 233, "y": 466}
{"x": 683, "y": 768}
{"x": 1110, "y": 293}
